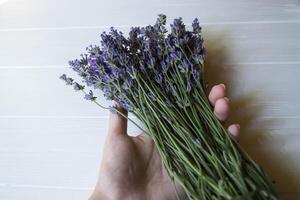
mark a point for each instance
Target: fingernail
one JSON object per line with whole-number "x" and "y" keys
{"x": 223, "y": 85}
{"x": 227, "y": 99}
{"x": 115, "y": 104}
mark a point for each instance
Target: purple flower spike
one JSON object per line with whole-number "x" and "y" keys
{"x": 161, "y": 20}
{"x": 63, "y": 77}
{"x": 90, "y": 96}
{"x": 189, "y": 86}
{"x": 77, "y": 86}
{"x": 150, "y": 55}
{"x": 196, "y": 26}
{"x": 69, "y": 81}
{"x": 92, "y": 60}
{"x": 158, "y": 78}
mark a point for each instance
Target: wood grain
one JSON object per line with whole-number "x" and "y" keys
{"x": 51, "y": 139}
{"x": 258, "y": 43}
{"x": 26, "y": 14}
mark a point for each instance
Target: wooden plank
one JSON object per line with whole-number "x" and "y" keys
{"x": 39, "y": 92}
{"x": 74, "y": 169}
{"x": 51, "y": 139}
{"x": 289, "y": 196}
{"x": 87, "y": 135}
{"x": 255, "y": 43}
{"x": 32, "y": 193}
{"x": 242, "y": 43}
{"x": 50, "y": 169}
{"x": 282, "y": 166}
{"x": 53, "y": 135}
{"x": 46, "y": 14}
{"x": 27, "y": 193}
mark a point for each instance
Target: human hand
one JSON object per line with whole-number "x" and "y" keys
{"x": 131, "y": 167}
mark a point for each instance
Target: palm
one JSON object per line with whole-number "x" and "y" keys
{"x": 132, "y": 163}
{"x": 131, "y": 167}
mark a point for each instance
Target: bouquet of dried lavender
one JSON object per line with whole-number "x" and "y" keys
{"x": 158, "y": 76}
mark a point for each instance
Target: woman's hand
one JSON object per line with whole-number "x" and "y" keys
{"x": 131, "y": 167}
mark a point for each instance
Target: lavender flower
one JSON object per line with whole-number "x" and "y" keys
{"x": 90, "y": 96}
{"x": 178, "y": 28}
{"x": 196, "y": 26}
{"x": 196, "y": 75}
{"x": 184, "y": 66}
{"x": 63, "y": 77}
{"x": 69, "y": 81}
{"x": 156, "y": 75}
{"x": 77, "y": 86}
{"x": 151, "y": 96}
{"x": 164, "y": 66}
{"x": 161, "y": 20}
{"x": 158, "y": 78}
{"x": 116, "y": 65}
{"x": 113, "y": 109}
{"x": 189, "y": 86}
{"x": 92, "y": 60}
{"x": 198, "y": 59}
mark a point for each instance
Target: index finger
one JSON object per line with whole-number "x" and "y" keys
{"x": 117, "y": 123}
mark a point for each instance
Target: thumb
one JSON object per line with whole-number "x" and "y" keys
{"x": 117, "y": 123}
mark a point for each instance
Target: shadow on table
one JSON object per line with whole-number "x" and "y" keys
{"x": 255, "y": 131}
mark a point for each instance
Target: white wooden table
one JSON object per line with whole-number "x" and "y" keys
{"x": 51, "y": 139}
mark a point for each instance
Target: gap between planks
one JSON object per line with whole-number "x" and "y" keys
{"x": 129, "y": 26}
{"x": 228, "y": 64}
{"x": 42, "y": 187}
{"x": 103, "y": 117}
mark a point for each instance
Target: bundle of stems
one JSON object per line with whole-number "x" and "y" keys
{"x": 158, "y": 76}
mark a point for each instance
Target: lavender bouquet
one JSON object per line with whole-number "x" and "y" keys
{"x": 158, "y": 76}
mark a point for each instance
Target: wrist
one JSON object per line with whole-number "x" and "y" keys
{"x": 98, "y": 194}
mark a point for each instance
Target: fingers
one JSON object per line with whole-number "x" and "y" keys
{"x": 217, "y": 92}
{"x": 221, "y": 108}
{"x": 234, "y": 130}
{"x": 117, "y": 123}
{"x": 219, "y": 101}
